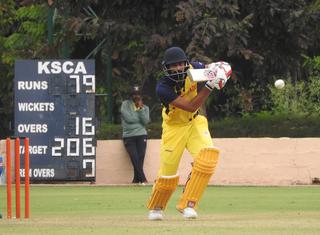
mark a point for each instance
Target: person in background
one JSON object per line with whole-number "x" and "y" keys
{"x": 134, "y": 118}
{"x": 2, "y": 171}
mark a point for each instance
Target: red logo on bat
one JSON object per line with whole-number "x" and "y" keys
{"x": 210, "y": 74}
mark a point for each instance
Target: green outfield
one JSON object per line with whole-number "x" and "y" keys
{"x": 224, "y": 210}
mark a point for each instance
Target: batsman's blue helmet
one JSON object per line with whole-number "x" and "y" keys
{"x": 174, "y": 55}
{"x": 171, "y": 56}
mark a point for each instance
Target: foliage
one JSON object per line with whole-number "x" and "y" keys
{"x": 263, "y": 124}
{"x": 243, "y": 33}
{"x": 26, "y": 41}
{"x": 218, "y": 30}
{"x": 109, "y": 131}
{"x": 267, "y": 124}
{"x": 292, "y": 99}
{"x": 299, "y": 97}
{"x": 22, "y": 35}
{"x": 261, "y": 39}
{"x": 281, "y": 31}
{"x": 313, "y": 63}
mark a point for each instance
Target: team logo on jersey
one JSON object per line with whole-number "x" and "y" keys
{"x": 193, "y": 87}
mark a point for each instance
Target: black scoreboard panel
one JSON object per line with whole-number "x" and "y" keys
{"x": 55, "y": 108}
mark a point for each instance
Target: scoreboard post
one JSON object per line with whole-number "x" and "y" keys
{"x": 55, "y": 108}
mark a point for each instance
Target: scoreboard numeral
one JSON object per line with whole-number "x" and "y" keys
{"x": 56, "y": 150}
{"x": 77, "y": 126}
{"x": 73, "y": 144}
{"x": 91, "y": 162}
{"x": 87, "y": 127}
{"x": 88, "y": 148}
{"x": 88, "y": 81}
{"x": 73, "y": 147}
{"x": 77, "y": 77}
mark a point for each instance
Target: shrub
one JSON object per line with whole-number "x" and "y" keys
{"x": 267, "y": 124}
{"x": 298, "y": 97}
{"x": 264, "y": 124}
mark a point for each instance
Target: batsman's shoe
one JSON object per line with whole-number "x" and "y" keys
{"x": 189, "y": 213}
{"x": 155, "y": 215}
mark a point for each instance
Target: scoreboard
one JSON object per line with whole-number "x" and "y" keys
{"x": 55, "y": 108}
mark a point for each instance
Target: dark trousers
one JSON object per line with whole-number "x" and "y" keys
{"x": 136, "y": 148}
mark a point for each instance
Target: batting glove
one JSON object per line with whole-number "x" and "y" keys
{"x": 223, "y": 73}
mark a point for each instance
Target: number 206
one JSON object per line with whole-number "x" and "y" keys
{"x": 73, "y": 147}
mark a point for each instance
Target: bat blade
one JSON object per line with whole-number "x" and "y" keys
{"x": 201, "y": 75}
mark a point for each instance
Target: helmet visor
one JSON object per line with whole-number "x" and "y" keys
{"x": 176, "y": 71}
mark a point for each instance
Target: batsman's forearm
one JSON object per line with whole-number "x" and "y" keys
{"x": 194, "y": 104}
{"x": 198, "y": 101}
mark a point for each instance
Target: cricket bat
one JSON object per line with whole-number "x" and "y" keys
{"x": 201, "y": 75}
{"x": 219, "y": 69}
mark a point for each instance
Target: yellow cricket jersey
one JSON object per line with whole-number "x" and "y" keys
{"x": 175, "y": 116}
{"x": 168, "y": 90}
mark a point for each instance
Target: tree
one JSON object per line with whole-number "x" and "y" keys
{"x": 22, "y": 35}
{"x": 260, "y": 39}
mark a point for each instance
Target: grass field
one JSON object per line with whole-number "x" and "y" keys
{"x": 224, "y": 210}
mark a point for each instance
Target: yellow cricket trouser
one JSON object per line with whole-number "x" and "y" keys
{"x": 175, "y": 138}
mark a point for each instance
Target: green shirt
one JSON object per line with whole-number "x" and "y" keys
{"x": 134, "y": 120}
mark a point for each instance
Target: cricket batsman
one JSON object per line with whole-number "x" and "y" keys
{"x": 183, "y": 127}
